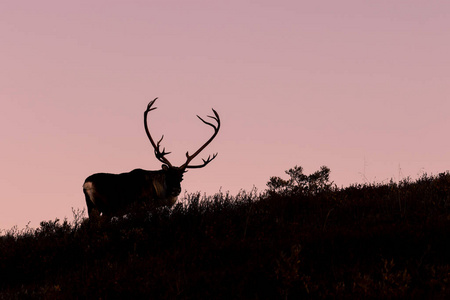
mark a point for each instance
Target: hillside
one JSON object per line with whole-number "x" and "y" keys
{"x": 302, "y": 238}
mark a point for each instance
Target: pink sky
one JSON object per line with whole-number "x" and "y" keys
{"x": 359, "y": 86}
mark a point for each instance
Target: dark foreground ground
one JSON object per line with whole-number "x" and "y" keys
{"x": 386, "y": 241}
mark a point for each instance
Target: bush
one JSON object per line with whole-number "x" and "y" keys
{"x": 301, "y": 184}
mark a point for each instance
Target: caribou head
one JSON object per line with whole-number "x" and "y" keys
{"x": 111, "y": 194}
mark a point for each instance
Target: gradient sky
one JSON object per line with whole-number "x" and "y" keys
{"x": 359, "y": 86}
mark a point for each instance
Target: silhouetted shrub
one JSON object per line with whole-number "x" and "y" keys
{"x": 299, "y": 183}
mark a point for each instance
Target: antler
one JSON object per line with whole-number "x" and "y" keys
{"x": 209, "y": 159}
{"x": 159, "y": 155}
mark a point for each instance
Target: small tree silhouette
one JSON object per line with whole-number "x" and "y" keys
{"x": 299, "y": 183}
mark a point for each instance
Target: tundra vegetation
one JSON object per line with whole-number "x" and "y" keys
{"x": 301, "y": 238}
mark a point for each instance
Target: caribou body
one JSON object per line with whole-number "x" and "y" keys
{"x": 111, "y": 194}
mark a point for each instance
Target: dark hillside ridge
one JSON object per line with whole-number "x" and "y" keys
{"x": 296, "y": 240}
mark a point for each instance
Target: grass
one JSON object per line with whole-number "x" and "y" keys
{"x": 386, "y": 241}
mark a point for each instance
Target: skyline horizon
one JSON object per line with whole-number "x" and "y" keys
{"x": 361, "y": 88}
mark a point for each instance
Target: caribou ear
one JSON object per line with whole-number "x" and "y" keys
{"x": 165, "y": 167}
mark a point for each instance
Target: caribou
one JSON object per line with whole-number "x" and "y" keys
{"x": 111, "y": 194}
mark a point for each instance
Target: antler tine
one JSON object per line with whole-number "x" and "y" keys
{"x": 205, "y": 162}
{"x": 159, "y": 155}
{"x": 189, "y": 158}
{"x": 150, "y": 104}
{"x": 158, "y": 152}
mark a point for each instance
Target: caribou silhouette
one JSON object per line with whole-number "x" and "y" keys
{"x": 111, "y": 194}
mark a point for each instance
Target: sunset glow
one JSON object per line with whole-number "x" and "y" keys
{"x": 361, "y": 87}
